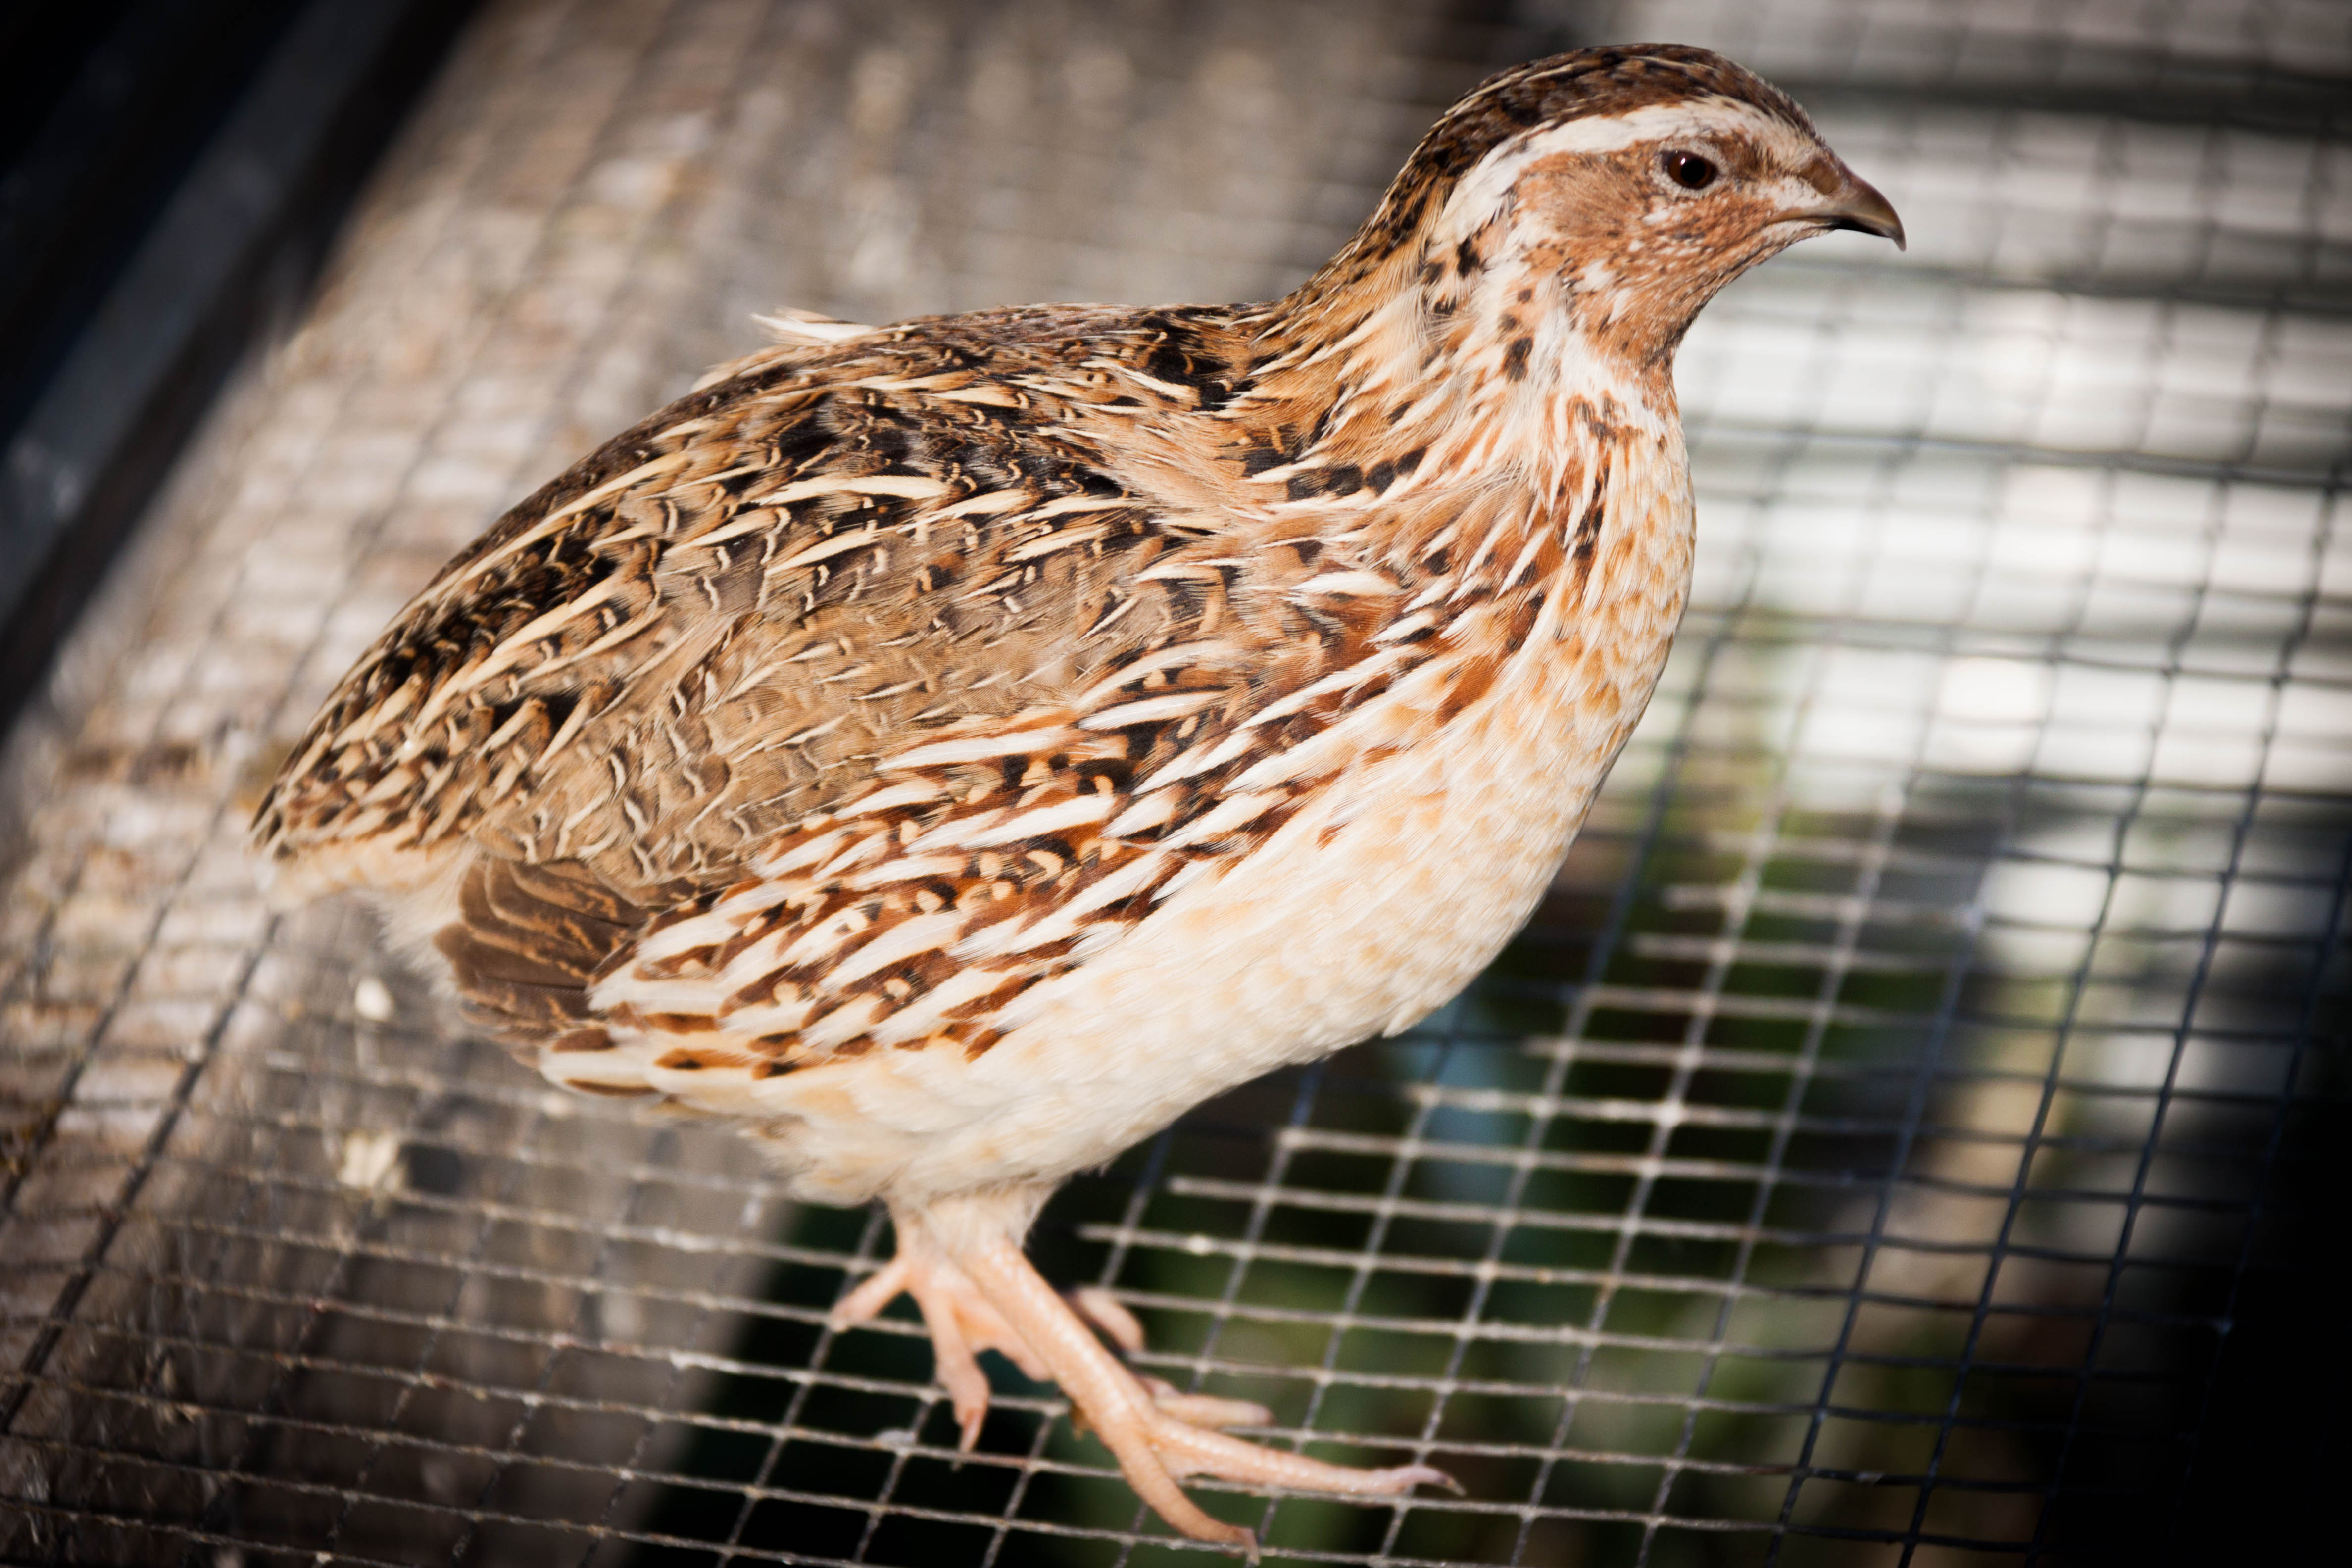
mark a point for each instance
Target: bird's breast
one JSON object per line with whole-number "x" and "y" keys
{"x": 1389, "y": 888}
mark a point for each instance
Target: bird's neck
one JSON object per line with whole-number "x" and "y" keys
{"x": 1446, "y": 367}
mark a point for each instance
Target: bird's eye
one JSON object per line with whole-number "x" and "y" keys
{"x": 1690, "y": 171}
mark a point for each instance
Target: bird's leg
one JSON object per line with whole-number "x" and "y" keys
{"x": 964, "y": 1323}
{"x": 1154, "y": 1445}
{"x": 1104, "y": 1311}
{"x": 961, "y": 1322}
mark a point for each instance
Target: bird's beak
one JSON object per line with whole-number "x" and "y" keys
{"x": 1856, "y": 204}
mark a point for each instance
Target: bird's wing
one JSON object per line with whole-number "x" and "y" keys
{"x": 698, "y": 632}
{"x": 840, "y": 701}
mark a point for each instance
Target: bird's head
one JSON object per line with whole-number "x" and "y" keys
{"x": 1603, "y": 197}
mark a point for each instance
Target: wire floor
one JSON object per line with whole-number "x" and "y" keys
{"x": 1930, "y": 1057}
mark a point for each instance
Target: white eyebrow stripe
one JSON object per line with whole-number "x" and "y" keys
{"x": 1485, "y": 188}
{"x": 1655, "y": 123}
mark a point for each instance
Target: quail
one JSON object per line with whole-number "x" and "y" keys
{"x": 952, "y": 750}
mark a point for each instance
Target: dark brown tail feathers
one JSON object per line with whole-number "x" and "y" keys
{"x": 526, "y": 942}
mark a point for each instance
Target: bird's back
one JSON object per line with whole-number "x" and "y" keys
{"x": 705, "y": 629}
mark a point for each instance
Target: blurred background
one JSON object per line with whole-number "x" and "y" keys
{"x": 1913, "y": 1132}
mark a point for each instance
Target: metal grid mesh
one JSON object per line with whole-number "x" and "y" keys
{"x": 1861, "y": 1158}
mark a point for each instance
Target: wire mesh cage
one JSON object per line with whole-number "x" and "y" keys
{"x": 1925, "y": 1067}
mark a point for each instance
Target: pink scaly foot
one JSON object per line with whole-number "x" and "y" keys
{"x": 1104, "y": 1311}
{"x": 1155, "y": 1445}
{"x": 960, "y": 1320}
{"x": 964, "y": 1323}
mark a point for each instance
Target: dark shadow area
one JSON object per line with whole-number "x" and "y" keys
{"x": 172, "y": 173}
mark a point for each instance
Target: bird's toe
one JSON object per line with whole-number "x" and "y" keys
{"x": 1207, "y": 1410}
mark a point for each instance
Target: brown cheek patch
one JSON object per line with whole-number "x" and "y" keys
{"x": 1591, "y": 208}
{"x": 1576, "y": 194}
